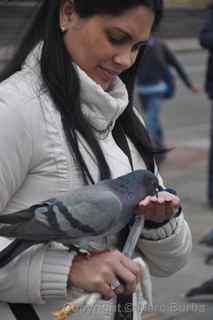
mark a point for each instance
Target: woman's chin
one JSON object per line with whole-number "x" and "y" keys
{"x": 101, "y": 80}
{"x": 106, "y": 85}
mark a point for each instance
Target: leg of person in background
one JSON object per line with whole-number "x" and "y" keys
{"x": 151, "y": 107}
{"x": 210, "y": 169}
{"x": 207, "y": 239}
{"x": 152, "y": 118}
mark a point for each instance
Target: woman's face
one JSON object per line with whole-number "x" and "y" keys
{"x": 104, "y": 46}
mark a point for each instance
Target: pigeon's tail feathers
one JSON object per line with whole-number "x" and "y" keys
{"x": 30, "y": 231}
{"x": 17, "y": 217}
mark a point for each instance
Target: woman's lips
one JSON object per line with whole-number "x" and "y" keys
{"x": 106, "y": 74}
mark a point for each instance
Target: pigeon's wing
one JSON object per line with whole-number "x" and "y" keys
{"x": 90, "y": 214}
{"x": 107, "y": 213}
{"x": 98, "y": 210}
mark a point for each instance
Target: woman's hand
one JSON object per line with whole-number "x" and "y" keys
{"x": 196, "y": 88}
{"x": 98, "y": 272}
{"x": 159, "y": 209}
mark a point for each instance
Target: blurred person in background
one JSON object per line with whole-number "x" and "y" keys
{"x": 206, "y": 41}
{"x": 155, "y": 82}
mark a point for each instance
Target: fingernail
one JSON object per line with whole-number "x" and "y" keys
{"x": 141, "y": 204}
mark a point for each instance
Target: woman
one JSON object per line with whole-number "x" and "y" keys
{"x": 60, "y": 114}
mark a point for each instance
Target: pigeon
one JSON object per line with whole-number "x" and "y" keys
{"x": 89, "y": 212}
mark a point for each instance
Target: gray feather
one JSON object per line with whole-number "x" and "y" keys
{"x": 91, "y": 211}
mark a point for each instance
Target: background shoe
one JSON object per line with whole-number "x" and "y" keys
{"x": 209, "y": 259}
{"x": 207, "y": 239}
{"x": 205, "y": 291}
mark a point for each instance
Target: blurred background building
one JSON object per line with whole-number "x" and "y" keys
{"x": 186, "y": 3}
{"x": 183, "y": 18}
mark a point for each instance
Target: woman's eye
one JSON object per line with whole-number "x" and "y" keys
{"x": 117, "y": 40}
{"x": 122, "y": 40}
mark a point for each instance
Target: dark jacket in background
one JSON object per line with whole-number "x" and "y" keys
{"x": 206, "y": 41}
{"x": 154, "y": 64}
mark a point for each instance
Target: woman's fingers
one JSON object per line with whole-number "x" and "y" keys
{"x": 154, "y": 210}
{"x": 129, "y": 272}
{"x": 174, "y": 199}
{"x": 169, "y": 210}
{"x": 159, "y": 209}
{"x": 132, "y": 266}
{"x": 104, "y": 288}
{"x": 125, "y": 270}
{"x": 99, "y": 273}
{"x": 128, "y": 278}
{"x": 120, "y": 289}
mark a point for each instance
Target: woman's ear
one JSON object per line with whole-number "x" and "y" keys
{"x": 65, "y": 14}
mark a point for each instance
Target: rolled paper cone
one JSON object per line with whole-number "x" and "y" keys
{"x": 92, "y": 299}
{"x": 63, "y": 313}
{"x": 70, "y": 308}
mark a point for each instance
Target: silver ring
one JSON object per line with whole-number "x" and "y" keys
{"x": 115, "y": 285}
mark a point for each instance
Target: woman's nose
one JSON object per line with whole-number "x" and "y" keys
{"x": 125, "y": 59}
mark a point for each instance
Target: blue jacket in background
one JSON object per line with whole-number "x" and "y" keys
{"x": 155, "y": 61}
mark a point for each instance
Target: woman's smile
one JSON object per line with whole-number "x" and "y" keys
{"x": 106, "y": 75}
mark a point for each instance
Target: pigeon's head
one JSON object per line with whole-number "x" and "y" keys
{"x": 135, "y": 185}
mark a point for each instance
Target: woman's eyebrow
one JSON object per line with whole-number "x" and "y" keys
{"x": 130, "y": 37}
{"x": 126, "y": 33}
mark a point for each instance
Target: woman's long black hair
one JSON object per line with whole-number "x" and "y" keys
{"x": 62, "y": 80}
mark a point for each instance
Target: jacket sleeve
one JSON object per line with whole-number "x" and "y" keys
{"x": 170, "y": 254}
{"x": 172, "y": 60}
{"x": 40, "y": 273}
{"x": 206, "y": 33}
{"x": 16, "y": 150}
{"x": 166, "y": 248}
{"x": 37, "y": 275}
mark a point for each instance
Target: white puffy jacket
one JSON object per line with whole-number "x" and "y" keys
{"x": 36, "y": 164}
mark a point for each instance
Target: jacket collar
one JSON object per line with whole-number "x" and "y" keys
{"x": 101, "y": 108}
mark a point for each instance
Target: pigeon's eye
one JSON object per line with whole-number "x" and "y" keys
{"x": 156, "y": 191}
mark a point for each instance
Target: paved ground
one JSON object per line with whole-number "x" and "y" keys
{"x": 185, "y": 169}
{"x": 186, "y": 123}
{"x": 182, "y": 45}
